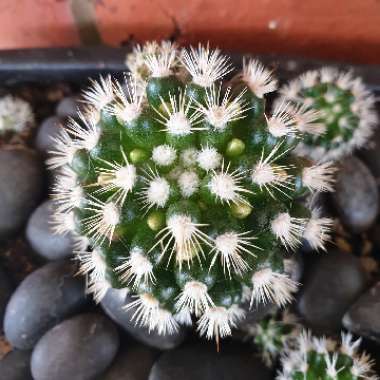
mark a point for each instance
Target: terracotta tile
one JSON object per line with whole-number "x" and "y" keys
{"x": 36, "y": 23}
{"x": 339, "y": 29}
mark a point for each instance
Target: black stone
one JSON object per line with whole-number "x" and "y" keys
{"x": 43, "y": 299}
{"x": 363, "y": 316}
{"x": 203, "y": 362}
{"x": 39, "y": 233}
{"x": 16, "y": 366}
{"x": 356, "y": 195}
{"x": 21, "y": 188}
{"x": 334, "y": 282}
{"x": 112, "y": 304}
{"x": 48, "y": 130}
{"x": 133, "y": 363}
{"x": 79, "y": 348}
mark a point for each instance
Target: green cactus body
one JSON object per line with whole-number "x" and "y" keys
{"x": 325, "y": 359}
{"x": 185, "y": 190}
{"x": 338, "y": 110}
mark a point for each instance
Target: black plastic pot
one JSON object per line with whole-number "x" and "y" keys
{"x": 77, "y": 64}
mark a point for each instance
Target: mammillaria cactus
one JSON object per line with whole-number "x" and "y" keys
{"x": 346, "y": 112}
{"x": 186, "y": 190}
{"x": 322, "y": 358}
{"x": 15, "y": 115}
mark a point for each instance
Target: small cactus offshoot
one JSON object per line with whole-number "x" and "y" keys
{"x": 15, "y": 115}
{"x": 186, "y": 190}
{"x": 272, "y": 335}
{"x": 323, "y": 358}
{"x": 338, "y": 113}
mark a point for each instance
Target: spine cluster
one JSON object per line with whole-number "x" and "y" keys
{"x": 181, "y": 188}
{"x": 339, "y": 113}
{"x": 323, "y": 358}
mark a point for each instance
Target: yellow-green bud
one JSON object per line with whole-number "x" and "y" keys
{"x": 241, "y": 210}
{"x": 235, "y": 147}
{"x": 156, "y": 220}
{"x": 138, "y": 155}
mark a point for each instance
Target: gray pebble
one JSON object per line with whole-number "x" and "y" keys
{"x": 43, "y": 299}
{"x": 16, "y": 366}
{"x": 21, "y": 188}
{"x": 68, "y": 107}
{"x": 363, "y": 316}
{"x": 334, "y": 283}
{"x": 79, "y": 348}
{"x": 43, "y": 240}
{"x": 203, "y": 362}
{"x": 112, "y": 304}
{"x": 370, "y": 153}
{"x": 133, "y": 363}
{"x": 48, "y": 130}
{"x": 356, "y": 195}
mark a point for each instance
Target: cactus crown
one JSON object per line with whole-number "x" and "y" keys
{"x": 322, "y": 358}
{"x": 15, "y": 115}
{"x": 185, "y": 189}
{"x": 339, "y": 112}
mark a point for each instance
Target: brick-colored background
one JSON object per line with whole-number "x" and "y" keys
{"x": 36, "y": 23}
{"x": 336, "y": 29}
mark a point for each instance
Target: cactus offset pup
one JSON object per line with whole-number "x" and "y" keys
{"x": 346, "y": 112}
{"x": 272, "y": 335}
{"x": 186, "y": 190}
{"x": 323, "y": 358}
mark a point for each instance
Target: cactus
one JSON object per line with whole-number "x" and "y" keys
{"x": 322, "y": 358}
{"x": 15, "y": 115}
{"x": 272, "y": 335}
{"x": 338, "y": 112}
{"x": 185, "y": 189}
